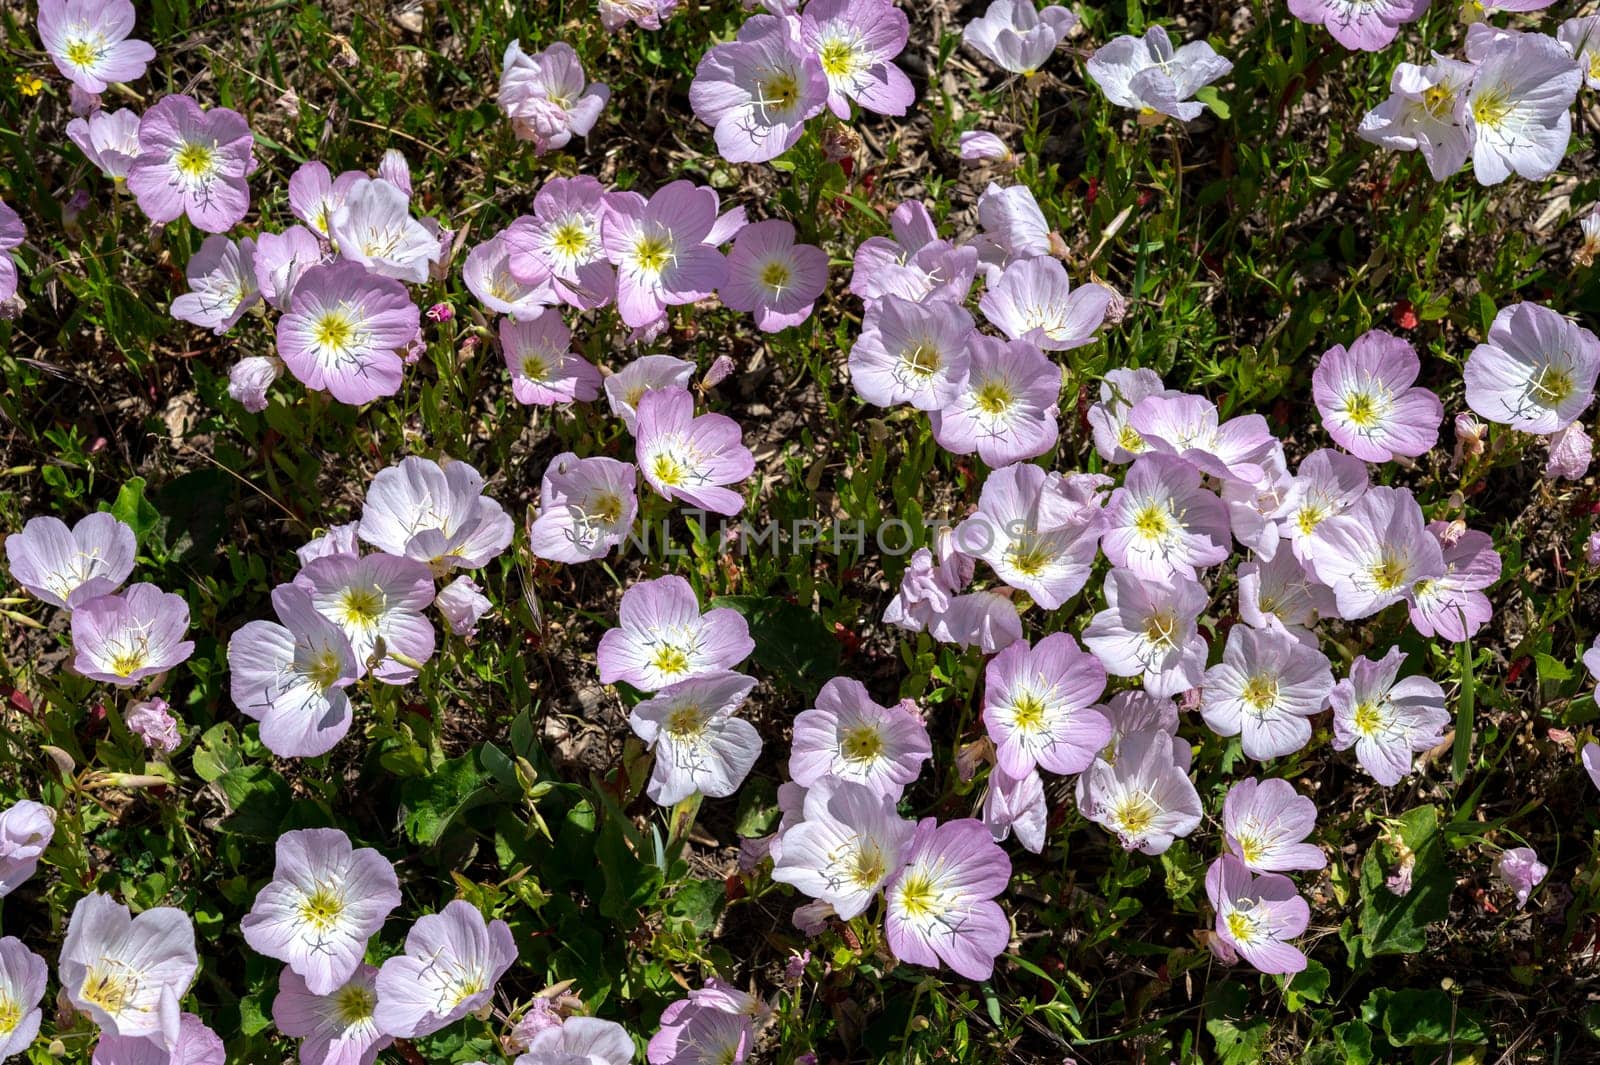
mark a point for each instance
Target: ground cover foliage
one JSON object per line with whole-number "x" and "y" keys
{"x": 497, "y": 767}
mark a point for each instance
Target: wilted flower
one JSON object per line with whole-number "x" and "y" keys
{"x": 129, "y": 973}
{"x": 1384, "y": 720}
{"x": 291, "y": 676}
{"x": 978, "y": 144}
{"x": 1264, "y": 690}
{"x": 152, "y": 721}
{"x": 914, "y": 264}
{"x": 68, "y": 567}
{"x": 1039, "y": 706}
{"x": 1161, "y": 522}
{"x": 121, "y": 639}
{"x": 193, "y": 162}
{"x": 1257, "y": 915}
{"x": 856, "y": 41}
{"x": 1520, "y": 870}
{"x": 586, "y": 507}
{"x": 1034, "y": 301}
{"x": 1149, "y": 76}
{"x": 849, "y": 843}
{"x": 548, "y": 97}
{"x": 657, "y": 246}
{"x": 110, "y": 140}
{"x": 452, "y": 961}
{"x": 334, "y": 1029}
{"x": 249, "y": 379}
{"x": 222, "y": 284}
{"x": 88, "y": 42}
{"x": 462, "y": 605}
{"x": 1425, "y": 111}
{"x": 544, "y": 368}
{"x": 435, "y": 513}
{"x": 1571, "y": 451}
{"x": 986, "y": 620}
{"x": 1017, "y": 36}
{"x": 647, "y": 373}
{"x": 1366, "y": 25}
{"x": 850, "y": 737}
{"x": 772, "y": 277}
{"x": 1375, "y": 553}
{"x": 916, "y": 353}
{"x": 1265, "y": 822}
{"x": 1006, "y": 411}
{"x": 700, "y": 746}
{"x": 373, "y": 226}
{"x": 1144, "y": 797}
{"x": 647, "y": 14}
{"x": 26, "y": 829}
{"x": 662, "y": 637}
{"x": 345, "y": 331}
{"x": 22, "y": 979}
{"x": 1149, "y": 630}
{"x": 688, "y": 457}
{"x": 941, "y": 904}
{"x": 325, "y": 900}
{"x": 1535, "y": 372}
{"x": 1369, "y": 403}
{"x": 1014, "y": 229}
{"x": 1519, "y": 108}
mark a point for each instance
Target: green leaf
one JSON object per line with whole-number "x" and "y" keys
{"x": 698, "y": 903}
{"x": 1423, "y": 1017}
{"x": 1462, "y": 752}
{"x": 258, "y": 800}
{"x": 217, "y": 753}
{"x": 1212, "y": 99}
{"x": 1239, "y": 1032}
{"x": 792, "y": 643}
{"x": 1397, "y": 924}
{"x": 1309, "y": 985}
{"x": 1551, "y": 669}
{"x": 433, "y": 801}
{"x": 1355, "y": 1039}
{"x": 629, "y": 882}
{"x": 134, "y": 510}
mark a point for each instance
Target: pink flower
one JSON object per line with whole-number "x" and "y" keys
{"x": 1265, "y": 821}
{"x": 1535, "y": 372}
{"x": 848, "y": 736}
{"x": 548, "y": 97}
{"x": 345, "y": 332}
{"x": 758, "y": 90}
{"x": 1520, "y": 870}
{"x": 544, "y": 368}
{"x": 1368, "y": 401}
{"x": 657, "y": 246}
{"x": 1571, "y": 451}
{"x": 193, "y": 162}
{"x": 88, "y": 42}
{"x": 856, "y": 42}
{"x": 772, "y": 277}
{"x": 1257, "y": 915}
{"x": 688, "y": 457}
{"x": 941, "y": 904}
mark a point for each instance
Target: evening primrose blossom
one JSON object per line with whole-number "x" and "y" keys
{"x": 1038, "y": 531}
{"x": 338, "y": 1028}
{"x": 560, "y": 244}
{"x": 326, "y": 899}
{"x": 129, "y": 973}
{"x": 662, "y": 637}
{"x": 1017, "y": 36}
{"x": 772, "y": 277}
{"x": 109, "y": 139}
{"x": 586, "y": 507}
{"x": 123, "y": 638}
{"x": 88, "y": 42}
{"x": 452, "y": 961}
{"x": 849, "y": 842}
{"x": 26, "y": 829}
{"x": 1257, "y": 916}
{"x": 544, "y": 369}
{"x": 700, "y": 746}
{"x": 193, "y": 162}
{"x": 222, "y": 284}
{"x": 345, "y": 331}
{"x": 1006, "y": 411}
{"x": 548, "y": 97}
{"x": 1365, "y": 25}
{"x": 848, "y": 736}
{"x": 941, "y": 903}
{"x": 1266, "y": 688}
{"x": 1148, "y": 75}
{"x": 1387, "y": 720}
{"x": 435, "y": 513}
{"x": 1535, "y": 371}
{"x": 1039, "y": 706}
{"x": 1149, "y": 629}
{"x": 68, "y": 567}
{"x": 1034, "y": 301}
{"x": 909, "y": 352}
{"x": 22, "y": 978}
{"x": 377, "y": 600}
{"x": 1161, "y": 522}
{"x": 1375, "y": 553}
{"x": 688, "y": 457}
{"x": 856, "y": 42}
{"x": 1519, "y": 109}
{"x": 1368, "y": 400}
{"x": 291, "y": 674}
{"x": 1145, "y": 797}
{"x": 758, "y": 90}
{"x": 658, "y": 247}
{"x": 1425, "y": 112}
{"x": 1265, "y": 823}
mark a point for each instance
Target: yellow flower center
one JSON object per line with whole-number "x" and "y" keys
{"x": 333, "y": 330}
{"x": 838, "y": 58}
{"x": 1029, "y": 557}
{"x": 994, "y": 398}
{"x": 1310, "y": 516}
{"x": 921, "y": 361}
{"x": 361, "y": 606}
{"x": 1438, "y": 101}
{"x": 1388, "y": 573}
{"x": 776, "y": 276}
{"x": 1491, "y": 108}
{"x": 1361, "y": 410}
{"x": 861, "y": 744}
{"x": 1368, "y": 719}
{"x": 669, "y": 471}
{"x": 685, "y": 723}
{"x": 1552, "y": 385}
{"x": 109, "y": 991}
{"x": 354, "y": 1004}
{"x": 570, "y": 239}
{"x": 534, "y": 368}
{"x": 195, "y": 160}
{"x": 1260, "y": 691}
{"x": 867, "y": 866}
{"x": 1161, "y": 628}
{"x": 1027, "y": 712}
{"x": 652, "y": 253}
{"x": 608, "y": 508}
{"x": 1153, "y": 521}
{"x": 1128, "y": 439}
{"x": 10, "y": 1014}
{"x": 326, "y": 669}
{"x": 127, "y": 663}
{"x": 1241, "y": 927}
{"x": 916, "y": 895}
{"x": 1135, "y": 814}
{"x": 321, "y": 908}
{"x": 1251, "y": 849}
{"x": 670, "y": 661}
{"x": 82, "y": 53}
{"x": 781, "y": 91}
